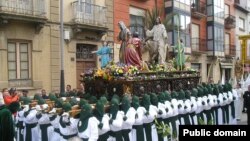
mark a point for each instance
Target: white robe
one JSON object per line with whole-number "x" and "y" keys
{"x": 106, "y": 127}
{"x": 55, "y": 124}
{"x": 193, "y": 109}
{"x": 116, "y": 124}
{"x": 91, "y": 132}
{"x": 69, "y": 130}
{"x": 50, "y": 130}
{"x": 174, "y": 102}
{"x": 32, "y": 119}
{"x": 238, "y": 94}
{"x": 153, "y": 113}
{"x": 127, "y": 124}
{"x": 138, "y": 121}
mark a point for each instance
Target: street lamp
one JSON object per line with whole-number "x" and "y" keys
{"x": 62, "y": 83}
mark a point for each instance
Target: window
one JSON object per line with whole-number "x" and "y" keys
{"x": 19, "y": 60}
{"x": 215, "y": 8}
{"x": 241, "y": 23}
{"x": 196, "y": 66}
{"x": 137, "y": 17}
{"x": 218, "y": 38}
{"x": 137, "y": 25}
{"x": 83, "y": 52}
{"x": 184, "y": 24}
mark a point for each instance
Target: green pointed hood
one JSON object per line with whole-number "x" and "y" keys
{"x": 82, "y": 102}
{"x": 161, "y": 97}
{"x": 194, "y": 92}
{"x": 154, "y": 99}
{"x": 116, "y": 96}
{"x": 67, "y": 107}
{"x": 210, "y": 90}
{"x": 200, "y": 92}
{"x": 174, "y": 95}
{"x": 187, "y": 94}
{"x": 99, "y": 110}
{"x": 125, "y": 104}
{"x": 104, "y": 100}
{"x": 167, "y": 96}
{"x": 86, "y": 113}
{"x": 52, "y": 97}
{"x": 37, "y": 97}
{"x": 135, "y": 102}
{"x": 220, "y": 88}
{"x": 59, "y": 103}
{"x": 25, "y": 100}
{"x": 41, "y": 101}
{"x": 114, "y": 107}
{"x": 92, "y": 100}
{"x": 146, "y": 101}
{"x": 181, "y": 95}
{"x": 229, "y": 86}
{"x": 73, "y": 101}
{"x": 216, "y": 91}
{"x": 205, "y": 91}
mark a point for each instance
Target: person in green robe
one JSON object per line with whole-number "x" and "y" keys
{"x": 7, "y": 131}
{"x": 103, "y": 118}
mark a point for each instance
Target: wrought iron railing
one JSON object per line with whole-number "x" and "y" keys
{"x": 35, "y": 8}
{"x": 199, "y": 44}
{"x": 91, "y": 14}
{"x": 230, "y": 21}
{"x": 230, "y": 49}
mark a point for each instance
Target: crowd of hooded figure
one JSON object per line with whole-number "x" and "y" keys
{"x": 125, "y": 118}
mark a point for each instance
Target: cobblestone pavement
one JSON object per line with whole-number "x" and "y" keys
{"x": 243, "y": 120}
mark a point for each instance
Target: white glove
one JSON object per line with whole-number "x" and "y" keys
{"x": 65, "y": 114}
{"x": 26, "y": 108}
{"x": 78, "y": 99}
{"x": 38, "y": 108}
{"x": 53, "y": 111}
{"x": 64, "y": 98}
{"x": 66, "y": 119}
{"x": 45, "y": 106}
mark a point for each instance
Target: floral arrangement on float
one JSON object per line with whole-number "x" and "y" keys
{"x": 118, "y": 71}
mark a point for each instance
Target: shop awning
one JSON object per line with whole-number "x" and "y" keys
{"x": 226, "y": 65}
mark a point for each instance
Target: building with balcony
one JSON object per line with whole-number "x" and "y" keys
{"x": 209, "y": 32}
{"x": 242, "y": 14}
{"x": 30, "y": 41}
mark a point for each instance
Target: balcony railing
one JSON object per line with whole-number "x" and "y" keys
{"x": 230, "y": 21}
{"x": 198, "y": 9}
{"x": 90, "y": 14}
{"x": 242, "y": 5}
{"x": 230, "y": 50}
{"x": 30, "y": 8}
{"x": 198, "y": 45}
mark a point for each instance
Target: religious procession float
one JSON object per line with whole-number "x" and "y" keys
{"x": 124, "y": 102}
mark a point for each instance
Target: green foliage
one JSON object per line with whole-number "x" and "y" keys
{"x": 162, "y": 128}
{"x": 200, "y": 121}
{"x": 151, "y": 16}
{"x": 210, "y": 122}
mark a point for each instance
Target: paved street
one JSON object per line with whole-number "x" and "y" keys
{"x": 243, "y": 120}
